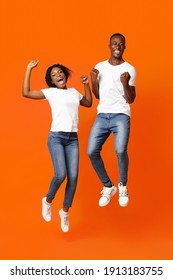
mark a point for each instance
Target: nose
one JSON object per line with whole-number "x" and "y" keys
{"x": 118, "y": 46}
{"x": 58, "y": 74}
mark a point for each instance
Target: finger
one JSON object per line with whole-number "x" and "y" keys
{"x": 84, "y": 79}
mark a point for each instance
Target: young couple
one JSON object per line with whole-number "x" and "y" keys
{"x": 113, "y": 83}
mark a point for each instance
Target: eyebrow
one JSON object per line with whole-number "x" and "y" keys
{"x": 55, "y": 71}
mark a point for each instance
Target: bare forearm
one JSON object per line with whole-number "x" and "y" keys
{"x": 88, "y": 94}
{"x": 95, "y": 89}
{"x": 94, "y": 81}
{"x": 129, "y": 94}
{"x": 26, "y": 83}
{"x": 33, "y": 94}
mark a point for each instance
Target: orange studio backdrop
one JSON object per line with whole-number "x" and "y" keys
{"x": 76, "y": 34}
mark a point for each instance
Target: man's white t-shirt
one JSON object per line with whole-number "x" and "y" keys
{"x": 111, "y": 89}
{"x": 64, "y": 104}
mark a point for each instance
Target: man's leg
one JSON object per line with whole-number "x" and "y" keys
{"x": 99, "y": 133}
{"x": 121, "y": 129}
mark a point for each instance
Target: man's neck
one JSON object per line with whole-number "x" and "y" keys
{"x": 115, "y": 61}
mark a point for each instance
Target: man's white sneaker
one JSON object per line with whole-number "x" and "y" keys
{"x": 123, "y": 195}
{"x": 46, "y": 210}
{"x": 64, "y": 220}
{"x": 107, "y": 193}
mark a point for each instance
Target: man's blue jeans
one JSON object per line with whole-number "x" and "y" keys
{"x": 104, "y": 125}
{"x": 64, "y": 150}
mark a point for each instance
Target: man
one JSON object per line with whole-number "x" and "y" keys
{"x": 113, "y": 83}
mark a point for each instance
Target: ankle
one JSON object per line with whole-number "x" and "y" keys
{"x": 122, "y": 184}
{"x": 48, "y": 201}
{"x": 65, "y": 209}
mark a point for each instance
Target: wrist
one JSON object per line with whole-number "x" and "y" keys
{"x": 28, "y": 69}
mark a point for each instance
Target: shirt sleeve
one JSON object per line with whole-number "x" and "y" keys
{"x": 132, "y": 81}
{"x": 97, "y": 66}
{"x": 78, "y": 93}
{"x": 80, "y": 96}
{"x": 46, "y": 93}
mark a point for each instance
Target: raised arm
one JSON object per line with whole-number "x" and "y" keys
{"x": 86, "y": 101}
{"x": 33, "y": 94}
{"x": 94, "y": 81}
{"x": 129, "y": 91}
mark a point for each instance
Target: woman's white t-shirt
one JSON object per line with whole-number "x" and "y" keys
{"x": 64, "y": 105}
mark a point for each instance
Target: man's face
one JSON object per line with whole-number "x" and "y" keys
{"x": 117, "y": 46}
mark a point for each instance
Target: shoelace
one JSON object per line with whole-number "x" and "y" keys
{"x": 106, "y": 191}
{"x": 49, "y": 208}
{"x": 123, "y": 191}
{"x": 65, "y": 220}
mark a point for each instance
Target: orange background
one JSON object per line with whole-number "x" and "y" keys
{"x": 76, "y": 34}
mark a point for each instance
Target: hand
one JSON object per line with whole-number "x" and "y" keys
{"x": 124, "y": 78}
{"x": 84, "y": 79}
{"x": 94, "y": 74}
{"x": 32, "y": 64}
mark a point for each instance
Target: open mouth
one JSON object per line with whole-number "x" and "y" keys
{"x": 60, "y": 81}
{"x": 117, "y": 51}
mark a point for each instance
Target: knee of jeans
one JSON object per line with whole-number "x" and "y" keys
{"x": 73, "y": 180}
{"x": 59, "y": 178}
{"x": 91, "y": 153}
{"x": 121, "y": 153}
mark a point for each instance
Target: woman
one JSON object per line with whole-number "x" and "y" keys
{"x": 63, "y": 138}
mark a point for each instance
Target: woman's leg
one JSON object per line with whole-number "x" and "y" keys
{"x": 57, "y": 152}
{"x": 56, "y": 148}
{"x": 72, "y": 164}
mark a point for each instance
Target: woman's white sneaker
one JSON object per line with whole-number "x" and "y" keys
{"x": 64, "y": 220}
{"x": 123, "y": 195}
{"x": 107, "y": 193}
{"x": 46, "y": 210}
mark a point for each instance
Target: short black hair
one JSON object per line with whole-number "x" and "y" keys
{"x": 117, "y": 34}
{"x": 66, "y": 71}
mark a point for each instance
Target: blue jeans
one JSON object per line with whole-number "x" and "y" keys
{"x": 104, "y": 125}
{"x": 64, "y": 151}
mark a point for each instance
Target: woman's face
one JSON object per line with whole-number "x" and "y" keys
{"x": 58, "y": 78}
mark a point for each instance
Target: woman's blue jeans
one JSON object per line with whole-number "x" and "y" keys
{"x": 104, "y": 125}
{"x": 64, "y": 151}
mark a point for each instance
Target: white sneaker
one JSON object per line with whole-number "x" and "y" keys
{"x": 123, "y": 195}
{"x": 46, "y": 210}
{"x": 64, "y": 220}
{"x": 107, "y": 193}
